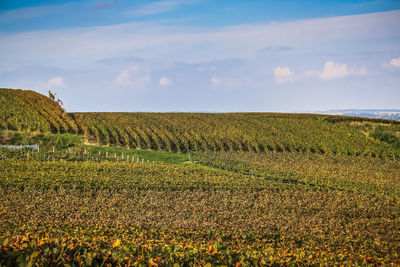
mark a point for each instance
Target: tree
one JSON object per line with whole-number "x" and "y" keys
{"x": 52, "y": 96}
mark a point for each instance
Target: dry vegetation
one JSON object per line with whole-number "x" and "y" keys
{"x": 152, "y": 213}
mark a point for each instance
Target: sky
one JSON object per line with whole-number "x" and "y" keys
{"x": 204, "y": 55}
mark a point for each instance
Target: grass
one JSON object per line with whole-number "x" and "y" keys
{"x": 150, "y": 155}
{"x": 46, "y": 140}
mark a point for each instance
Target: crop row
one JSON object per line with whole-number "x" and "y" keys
{"x": 121, "y": 176}
{"x": 29, "y": 110}
{"x": 181, "y": 132}
{"x": 355, "y": 173}
{"x": 126, "y": 213}
{"x": 258, "y": 132}
{"x": 71, "y": 154}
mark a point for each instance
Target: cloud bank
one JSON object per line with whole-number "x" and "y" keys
{"x": 333, "y": 70}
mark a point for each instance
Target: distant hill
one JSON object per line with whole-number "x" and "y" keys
{"x": 181, "y": 132}
{"x": 390, "y": 114}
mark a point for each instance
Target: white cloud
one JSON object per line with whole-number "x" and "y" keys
{"x": 283, "y": 74}
{"x": 395, "y": 62}
{"x": 122, "y": 78}
{"x": 56, "y": 82}
{"x": 153, "y": 41}
{"x": 333, "y": 70}
{"x": 215, "y": 81}
{"x": 133, "y": 77}
{"x": 164, "y": 81}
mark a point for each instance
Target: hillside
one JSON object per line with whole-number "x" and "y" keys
{"x": 237, "y": 132}
{"x": 29, "y": 110}
{"x": 22, "y": 110}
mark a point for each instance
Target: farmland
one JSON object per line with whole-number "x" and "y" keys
{"x": 257, "y": 132}
{"x": 190, "y": 189}
{"x": 86, "y": 212}
{"x": 32, "y": 112}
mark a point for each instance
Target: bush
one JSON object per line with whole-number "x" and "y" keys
{"x": 63, "y": 141}
{"x": 386, "y": 137}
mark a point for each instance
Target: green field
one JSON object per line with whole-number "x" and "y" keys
{"x": 183, "y": 189}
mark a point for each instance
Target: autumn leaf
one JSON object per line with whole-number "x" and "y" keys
{"x": 116, "y": 243}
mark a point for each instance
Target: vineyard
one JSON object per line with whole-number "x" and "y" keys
{"x": 258, "y": 132}
{"x": 29, "y": 110}
{"x": 337, "y": 172}
{"x": 195, "y": 189}
{"x": 107, "y": 211}
{"x": 182, "y": 132}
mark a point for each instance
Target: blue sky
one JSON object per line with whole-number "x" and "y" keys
{"x": 204, "y": 55}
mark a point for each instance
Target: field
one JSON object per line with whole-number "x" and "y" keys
{"x": 257, "y": 132}
{"x": 152, "y": 189}
{"x": 107, "y": 211}
{"x": 31, "y": 112}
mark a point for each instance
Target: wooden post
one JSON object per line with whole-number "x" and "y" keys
{"x": 106, "y": 154}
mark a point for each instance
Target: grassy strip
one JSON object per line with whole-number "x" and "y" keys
{"x": 150, "y": 155}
